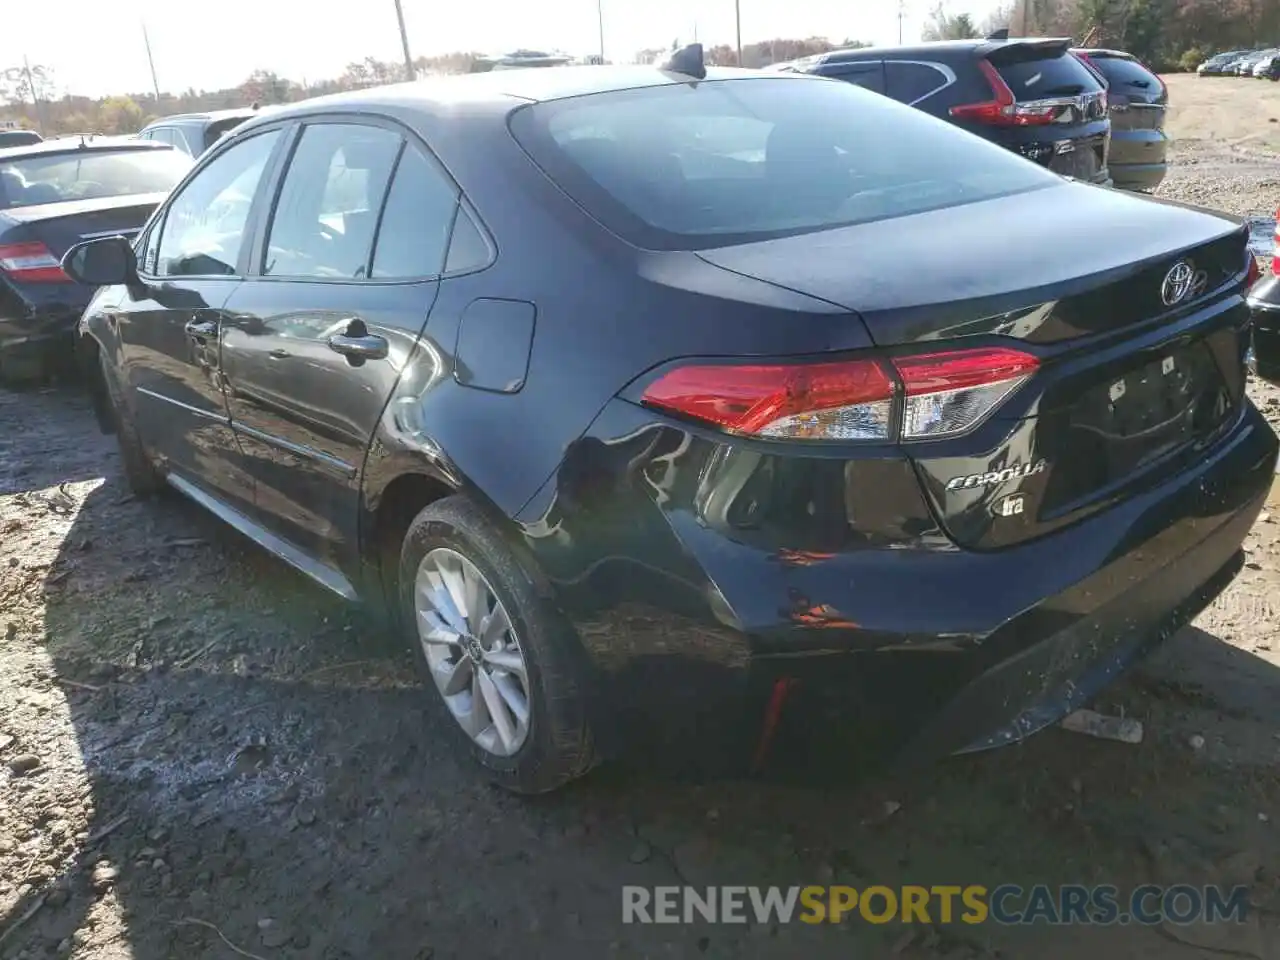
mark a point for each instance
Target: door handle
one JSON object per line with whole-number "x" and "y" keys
{"x": 201, "y": 329}
{"x": 357, "y": 343}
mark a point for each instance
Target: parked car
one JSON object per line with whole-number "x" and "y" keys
{"x": 1031, "y": 96}
{"x": 1216, "y": 65}
{"x": 1263, "y": 64}
{"x": 1137, "y": 100}
{"x": 52, "y": 195}
{"x": 1270, "y": 69}
{"x": 18, "y": 138}
{"x": 757, "y": 442}
{"x": 1264, "y": 303}
{"x": 194, "y": 133}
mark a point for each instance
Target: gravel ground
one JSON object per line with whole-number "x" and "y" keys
{"x": 203, "y": 756}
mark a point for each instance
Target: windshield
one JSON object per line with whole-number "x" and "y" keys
{"x": 690, "y": 166}
{"x": 88, "y": 174}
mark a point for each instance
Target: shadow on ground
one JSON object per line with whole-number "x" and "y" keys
{"x": 224, "y": 752}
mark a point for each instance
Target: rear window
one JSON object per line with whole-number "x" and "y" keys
{"x": 87, "y": 175}
{"x": 1121, "y": 71}
{"x": 1038, "y": 77}
{"x": 219, "y": 129}
{"x": 689, "y": 166}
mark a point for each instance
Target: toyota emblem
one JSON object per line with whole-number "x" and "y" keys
{"x": 1178, "y": 283}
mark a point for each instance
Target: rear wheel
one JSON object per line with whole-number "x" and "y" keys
{"x": 143, "y": 478}
{"x": 500, "y": 657}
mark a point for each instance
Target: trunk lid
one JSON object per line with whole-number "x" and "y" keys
{"x": 59, "y": 226}
{"x": 1130, "y": 387}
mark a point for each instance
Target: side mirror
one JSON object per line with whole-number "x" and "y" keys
{"x": 103, "y": 262}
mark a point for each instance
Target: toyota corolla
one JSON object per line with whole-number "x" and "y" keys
{"x": 635, "y": 393}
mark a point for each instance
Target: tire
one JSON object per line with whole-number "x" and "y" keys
{"x": 144, "y": 479}
{"x": 557, "y": 746}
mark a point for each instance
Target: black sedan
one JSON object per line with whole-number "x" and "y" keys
{"x": 633, "y": 394}
{"x": 53, "y": 195}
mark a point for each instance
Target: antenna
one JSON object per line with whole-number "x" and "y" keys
{"x": 688, "y": 61}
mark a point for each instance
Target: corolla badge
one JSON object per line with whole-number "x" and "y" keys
{"x": 990, "y": 479}
{"x": 1183, "y": 282}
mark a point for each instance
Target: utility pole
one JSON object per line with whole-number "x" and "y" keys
{"x": 737, "y": 19}
{"x": 600, "y": 25}
{"x": 147, "y": 42}
{"x": 35, "y": 94}
{"x": 1026, "y": 11}
{"x": 902, "y": 12}
{"x": 410, "y": 71}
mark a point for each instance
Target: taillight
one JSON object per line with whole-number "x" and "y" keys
{"x": 1003, "y": 109}
{"x": 1275, "y": 247}
{"x": 31, "y": 263}
{"x": 919, "y": 397}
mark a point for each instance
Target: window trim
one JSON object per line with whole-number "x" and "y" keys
{"x": 410, "y": 140}
{"x": 251, "y": 223}
{"x": 948, "y": 78}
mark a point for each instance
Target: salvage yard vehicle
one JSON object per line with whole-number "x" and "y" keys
{"x": 52, "y": 195}
{"x": 1031, "y": 96}
{"x": 194, "y": 133}
{"x": 622, "y": 391}
{"x": 1137, "y": 100}
{"x": 1264, "y": 303}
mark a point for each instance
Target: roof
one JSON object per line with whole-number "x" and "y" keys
{"x": 211, "y": 115}
{"x": 977, "y": 46}
{"x": 76, "y": 145}
{"x": 547, "y": 83}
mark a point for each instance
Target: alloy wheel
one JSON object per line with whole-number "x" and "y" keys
{"x": 472, "y": 651}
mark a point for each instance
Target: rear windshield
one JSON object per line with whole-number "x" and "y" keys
{"x": 689, "y": 166}
{"x": 19, "y": 138}
{"x": 219, "y": 129}
{"x": 85, "y": 175}
{"x": 1035, "y": 78}
{"x": 1121, "y": 72}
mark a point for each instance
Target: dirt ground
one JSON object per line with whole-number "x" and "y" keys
{"x": 203, "y": 756}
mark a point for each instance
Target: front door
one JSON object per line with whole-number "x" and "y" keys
{"x": 314, "y": 343}
{"x": 189, "y": 265}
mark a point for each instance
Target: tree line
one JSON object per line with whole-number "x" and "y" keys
{"x": 1167, "y": 34}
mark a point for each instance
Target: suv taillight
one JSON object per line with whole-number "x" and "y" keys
{"x": 31, "y": 263}
{"x": 916, "y": 397}
{"x": 1003, "y": 109}
{"x": 1275, "y": 243}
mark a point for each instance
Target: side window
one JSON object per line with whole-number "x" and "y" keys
{"x": 912, "y": 82}
{"x": 204, "y": 226}
{"x": 467, "y": 249}
{"x": 327, "y": 211}
{"x": 416, "y": 220}
{"x": 868, "y": 75}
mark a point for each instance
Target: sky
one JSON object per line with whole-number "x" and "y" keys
{"x": 95, "y": 47}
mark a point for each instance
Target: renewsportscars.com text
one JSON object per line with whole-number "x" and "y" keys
{"x": 1006, "y": 904}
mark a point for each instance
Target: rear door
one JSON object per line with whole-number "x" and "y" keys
{"x": 344, "y": 278}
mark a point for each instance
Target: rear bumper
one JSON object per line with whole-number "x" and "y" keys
{"x": 1139, "y": 176}
{"x": 1139, "y": 158}
{"x": 934, "y": 649}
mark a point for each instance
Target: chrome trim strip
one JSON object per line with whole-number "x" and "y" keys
{"x": 326, "y": 576}
{"x": 308, "y": 453}
{"x": 196, "y": 411}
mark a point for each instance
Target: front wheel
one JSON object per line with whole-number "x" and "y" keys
{"x": 143, "y": 478}
{"x": 502, "y": 659}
